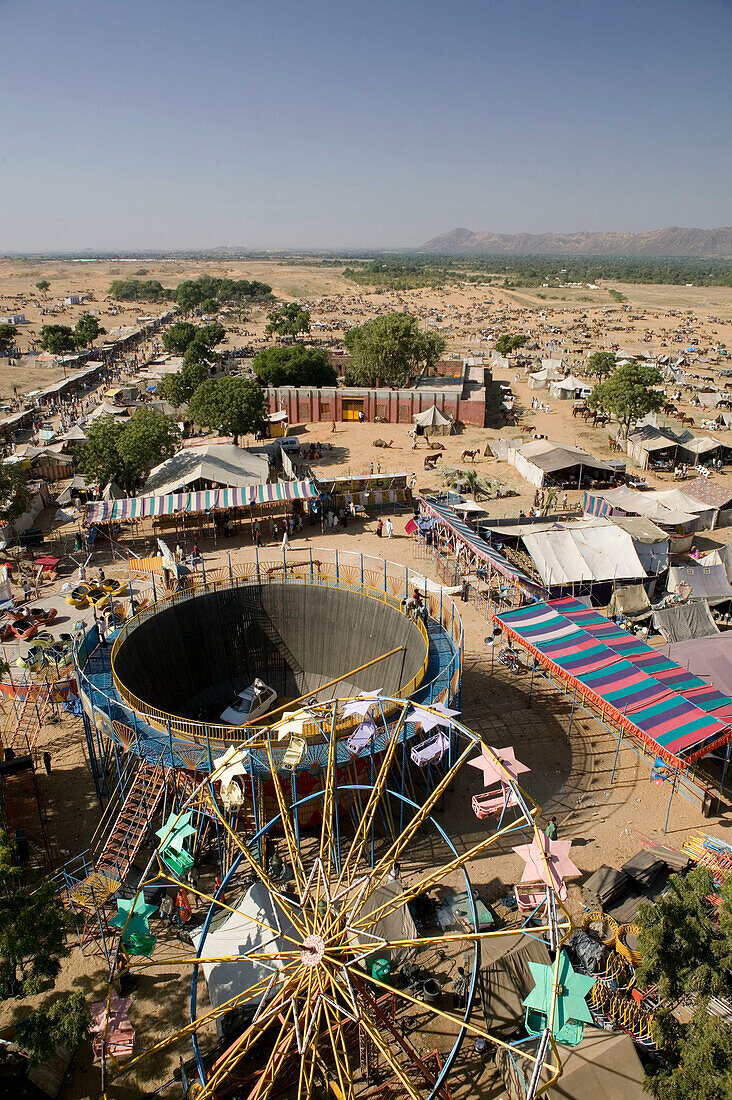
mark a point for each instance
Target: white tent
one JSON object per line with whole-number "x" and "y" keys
{"x": 540, "y": 457}
{"x": 569, "y": 388}
{"x": 541, "y": 379}
{"x": 221, "y": 464}
{"x": 594, "y": 553}
{"x": 433, "y": 421}
{"x": 699, "y": 582}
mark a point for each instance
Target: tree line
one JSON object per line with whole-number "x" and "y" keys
{"x": 205, "y": 293}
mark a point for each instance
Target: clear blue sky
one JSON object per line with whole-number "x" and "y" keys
{"x": 180, "y": 124}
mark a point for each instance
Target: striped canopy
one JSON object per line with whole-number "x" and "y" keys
{"x": 105, "y": 511}
{"x": 476, "y": 545}
{"x": 656, "y": 700}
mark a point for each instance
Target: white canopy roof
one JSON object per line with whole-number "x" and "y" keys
{"x": 596, "y": 553}
{"x": 222, "y": 463}
{"x": 550, "y": 456}
{"x": 570, "y": 383}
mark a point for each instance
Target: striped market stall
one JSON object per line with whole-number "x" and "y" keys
{"x": 666, "y": 710}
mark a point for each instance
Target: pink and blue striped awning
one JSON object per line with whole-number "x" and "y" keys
{"x": 129, "y": 508}
{"x": 672, "y": 711}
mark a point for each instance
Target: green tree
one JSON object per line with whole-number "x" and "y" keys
{"x": 678, "y": 946}
{"x": 88, "y": 330}
{"x": 42, "y": 285}
{"x": 7, "y": 338}
{"x": 179, "y": 387}
{"x": 701, "y": 1066}
{"x": 58, "y": 339}
{"x": 294, "y": 366}
{"x": 146, "y": 440}
{"x": 229, "y": 406}
{"x": 628, "y": 393}
{"x": 133, "y": 290}
{"x": 505, "y": 344}
{"x": 33, "y": 930}
{"x": 63, "y": 1022}
{"x": 601, "y": 364}
{"x": 99, "y": 458}
{"x": 177, "y": 338}
{"x": 390, "y": 349}
{"x": 15, "y": 496}
{"x": 288, "y": 320}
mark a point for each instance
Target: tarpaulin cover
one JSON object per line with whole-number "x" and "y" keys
{"x": 589, "y": 553}
{"x": 476, "y": 545}
{"x": 175, "y": 503}
{"x": 709, "y": 658}
{"x": 631, "y": 682}
{"x": 683, "y": 621}
{"x": 705, "y": 581}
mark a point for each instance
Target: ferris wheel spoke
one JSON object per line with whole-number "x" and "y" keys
{"x": 309, "y": 1058}
{"x": 290, "y": 908}
{"x": 258, "y": 989}
{"x": 275, "y": 933}
{"x": 386, "y": 862}
{"x": 435, "y": 876}
{"x": 353, "y": 857}
{"x": 326, "y": 848}
{"x": 389, "y": 1057}
{"x": 290, "y": 840}
{"x": 340, "y": 1051}
{"x": 238, "y": 1049}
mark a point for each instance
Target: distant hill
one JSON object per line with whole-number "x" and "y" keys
{"x": 712, "y": 243}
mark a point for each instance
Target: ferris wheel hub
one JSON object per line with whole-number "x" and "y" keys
{"x": 313, "y": 950}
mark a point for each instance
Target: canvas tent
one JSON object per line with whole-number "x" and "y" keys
{"x": 705, "y": 582}
{"x": 540, "y": 379}
{"x": 683, "y": 621}
{"x": 630, "y": 600}
{"x": 683, "y": 501}
{"x": 652, "y": 545}
{"x": 543, "y": 461}
{"x": 721, "y": 556}
{"x": 569, "y": 388}
{"x": 648, "y": 443}
{"x": 506, "y": 979}
{"x": 595, "y": 553}
{"x": 219, "y": 464}
{"x": 433, "y": 422}
{"x": 709, "y": 657}
{"x": 625, "y": 501}
{"x": 605, "y": 1064}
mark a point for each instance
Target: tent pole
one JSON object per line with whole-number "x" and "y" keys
{"x": 615, "y": 764}
{"x": 668, "y": 811}
{"x": 724, "y": 769}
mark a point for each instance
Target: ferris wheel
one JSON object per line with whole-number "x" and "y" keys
{"x": 341, "y": 945}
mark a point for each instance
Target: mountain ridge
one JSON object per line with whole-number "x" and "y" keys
{"x": 671, "y": 241}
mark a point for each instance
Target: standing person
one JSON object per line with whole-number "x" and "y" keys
{"x": 257, "y": 535}
{"x": 182, "y": 907}
{"x": 285, "y": 539}
{"x": 389, "y": 528}
{"x": 380, "y": 528}
{"x": 551, "y": 830}
{"x": 332, "y": 428}
{"x": 47, "y": 762}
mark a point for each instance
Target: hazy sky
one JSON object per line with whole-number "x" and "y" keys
{"x": 174, "y": 124}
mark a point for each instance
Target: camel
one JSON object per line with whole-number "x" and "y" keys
{"x": 382, "y": 443}
{"x": 468, "y": 455}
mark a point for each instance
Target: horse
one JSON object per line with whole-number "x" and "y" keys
{"x": 687, "y": 420}
{"x": 468, "y": 455}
